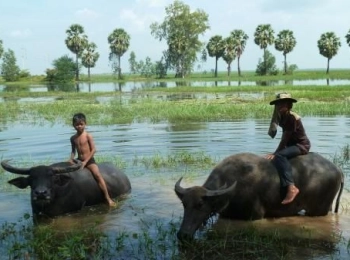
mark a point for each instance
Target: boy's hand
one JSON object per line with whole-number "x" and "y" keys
{"x": 83, "y": 165}
{"x": 270, "y": 156}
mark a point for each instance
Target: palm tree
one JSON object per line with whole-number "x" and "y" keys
{"x": 285, "y": 42}
{"x": 76, "y": 42}
{"x": 216, "y": 48}
{"x": 328, "y": 46}
{"x": 264, "y": 37}
{"x": 89, "y": 57}
{"x": 239, "y": 42}
{"x": 119, "y": 42}
{"x": 229, "y": 53}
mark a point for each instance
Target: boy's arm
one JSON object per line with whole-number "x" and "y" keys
{"x": 72, "y": 155}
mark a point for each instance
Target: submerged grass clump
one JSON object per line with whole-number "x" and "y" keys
{"x": 156, "y": 239}
{"x": 184, "y": 104}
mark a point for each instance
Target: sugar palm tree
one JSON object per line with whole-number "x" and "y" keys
{"x": 285, "y": 42}
{"x": 240, "y": 39}
{"x": 89, "y": 57}
{"x": 119, "y": 41}
{"x": 263, "y": 37}
{"x": 328, "y": 45}
{"x": 216, "y": 48}
{"x": 229, "y": 53}
{"x": 76, "y": 42}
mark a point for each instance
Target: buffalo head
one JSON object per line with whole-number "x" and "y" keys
{"x": 43, "y": 180}
{"x": 199, "y": 204}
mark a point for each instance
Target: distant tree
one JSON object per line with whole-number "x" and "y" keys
{"x": 76, "y": 42}
{"x": 160, "y": 68}
{"x": 133, "y": 63}
{"x": 10, "y": 71}
{"x": 267, "y": 66}
{"x": 64, "y": 70}
{"x": 347, "y": 37}
{"x": 229, "y": 53}
{"x": 147, "y": 68}
{"x": 89, "y": 57}
{"x": 263, "y": 37}
{"x": 119, "y": 41}
{"x": 181, "y": 29}
{"x": 328, "y": 46}
{"x": 216, "y": 49}
{"x": 1, "y": 49}
{"x": 285, "y": 42}
{"x": 240, "y": 39}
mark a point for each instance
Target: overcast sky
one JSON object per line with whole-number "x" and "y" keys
{"x": 36, "y": 30}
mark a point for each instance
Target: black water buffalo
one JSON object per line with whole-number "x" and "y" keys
{"x": 62, "y": 188}
{"x": 247, "y": 186}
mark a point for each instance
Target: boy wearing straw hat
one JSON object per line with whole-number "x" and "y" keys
{"x": 294, "y": 141}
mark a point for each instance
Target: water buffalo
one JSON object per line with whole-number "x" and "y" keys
{"x": 247, "y": 186}
{"x": 62, "y": 188}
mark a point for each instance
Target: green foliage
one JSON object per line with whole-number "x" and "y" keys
{"x": 76, "y": 42}
{"x": 267, "y": 66}
{"x": 264, "y": 36}
{"x": 89, "y": 57}
{"x": 216, "y": 48}
{"x": 160, "y": 69}
{"x": 24, "y": 74}
{"x": 291, "y": 68}
{"x": 1, "y": 49}
{"x": 238, "y": 41}
{"x": 64, "y": 70}
{"x": 119, "y": 41}
{"x": 181, "y": 29}
{"x": 285, "y": 43}
{"x": 9, "y": 69}
{"x": 328, "y": 45}
{"x": 347, "y": 37}
{"x": 133, "y": 63}
{"x": 147, "y": 68}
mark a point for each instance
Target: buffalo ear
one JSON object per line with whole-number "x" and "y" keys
{"x": 20, "y": 182}
{"x": 61, "y": 180}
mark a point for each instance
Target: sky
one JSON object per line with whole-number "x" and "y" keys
{"x": 36, "y": 30}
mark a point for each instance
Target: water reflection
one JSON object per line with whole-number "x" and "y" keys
{"x": 135, "y": 85}
{"x": 152, "y": 201}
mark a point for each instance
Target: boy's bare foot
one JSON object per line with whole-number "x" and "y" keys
{"x": 112, "y": 204}
{"x": 291, "y": 194}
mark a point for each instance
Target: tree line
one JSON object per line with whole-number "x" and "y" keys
{"x": 181, "y": 30}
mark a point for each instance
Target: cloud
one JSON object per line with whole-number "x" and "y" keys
{"x": 152, "y": 3}
{"x": 86, "y": 13}
{"x": 291, "y": 6}
{"x": 21, "y": 33}
{"x": 136, "y": 20}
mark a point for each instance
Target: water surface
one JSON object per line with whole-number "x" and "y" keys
{"x": 153, "y": 199}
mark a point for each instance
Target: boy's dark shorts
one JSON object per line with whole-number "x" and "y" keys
{"x": 91, "y": 161}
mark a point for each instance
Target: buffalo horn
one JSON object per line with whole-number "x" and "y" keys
{"x": 221, "y": 190}
{"x": 178, "y": 188}
{"x": 71, "y": 168}
{"x": 9, "y": 168}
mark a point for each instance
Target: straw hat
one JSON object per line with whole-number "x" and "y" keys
{"x": 283, "y": 96}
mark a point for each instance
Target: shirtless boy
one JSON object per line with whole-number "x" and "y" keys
{"x": 83, "y": 143}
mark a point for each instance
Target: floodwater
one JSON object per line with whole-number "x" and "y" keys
{"x": 152, "y": 199}
{"x": 132, "y": 86}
